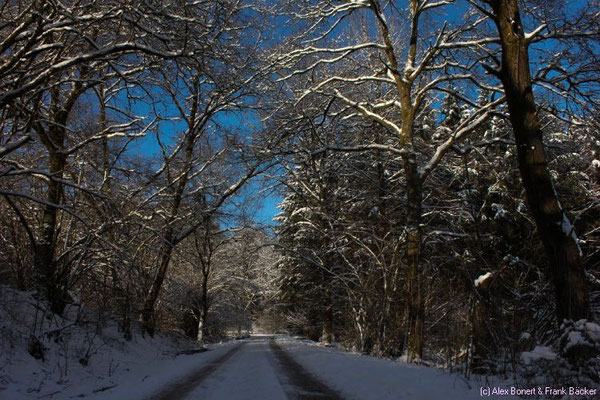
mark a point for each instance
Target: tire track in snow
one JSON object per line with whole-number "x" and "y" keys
{"x": 301, "y": 384}
{"x": 183, "y": 387}
{"x": 252, "y": 374}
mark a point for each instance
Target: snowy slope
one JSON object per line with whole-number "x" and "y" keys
{"x": 116, "y": 368}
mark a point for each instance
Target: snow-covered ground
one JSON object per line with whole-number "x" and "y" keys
{"x": 116, "y": 368}
{"x": 153, "y": 369}
{"x": 363, "y": 377}
{"x": 254, "y": 372}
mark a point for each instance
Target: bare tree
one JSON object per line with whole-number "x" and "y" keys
{"x": 205, "y": 163}
{"x": 376, "y": 75}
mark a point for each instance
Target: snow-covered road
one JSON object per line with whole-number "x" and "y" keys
{"x": 257, "y": 368}
{"x": 163, "y": 367}
{"x": 250, "y": 374}
{"x": 281, "y": 368}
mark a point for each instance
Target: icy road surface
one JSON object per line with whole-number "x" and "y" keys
{"x": 268, "y": 368}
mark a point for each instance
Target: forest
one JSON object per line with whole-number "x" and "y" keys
{"x": 435, "y": 165}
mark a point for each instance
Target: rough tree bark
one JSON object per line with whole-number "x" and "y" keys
{"x": 413, "y": 179}
{"x": 46, "y": 270}
{"x": 204, "y": 309}
{"x": 482, "y": 340}
{"x": 416, "y": 313}
{"x": 205, "y": 251}
{"x": 554, "y": 228}
{"x": 51, "y": 282}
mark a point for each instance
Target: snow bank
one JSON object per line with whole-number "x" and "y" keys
{"x": 539, "y": 352}
{"x": 570, "y": 361}
{"x": 114, "y": 368}
{"x": 580, "y": 333}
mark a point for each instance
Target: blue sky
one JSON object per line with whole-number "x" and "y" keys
{"x": 243, "y": 123}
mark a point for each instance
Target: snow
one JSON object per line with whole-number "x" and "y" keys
{"x": 576, "y": 339}
{"x": 525, "y": 336}
{"x": 482, "y": 278}
{"x": 302, "y": 210}
{"x": 500, "y": 211}
{"x": 116, "y": 369}
{"x": 530, "y": 35}
{"x": 580, "y": 333}
{"x": 144, "y": 367}
{"x": 596, "y": 163}
{"x": 250, "y": 374}
{"x": 147, "y": 375}
{"x": 539, "y": 352}
{"x": 593, "y": 331}
{"x": 511, "y": 260}
{"x": 356, "y": 376}
{"x": 568, "y": 230}
{"x": 374, "y": 212}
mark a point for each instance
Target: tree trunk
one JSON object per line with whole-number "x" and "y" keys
{"x": 121, "y": 294}
{"x": 483, "y": 343}
{"x": 328, "y": 319}
{"x": 553, "y": 226}
{"x": 204, "y": 309}
{"x": 416, "y": 312}
{"x": 148, "y": 321}
{"x": 48, "y": 279}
